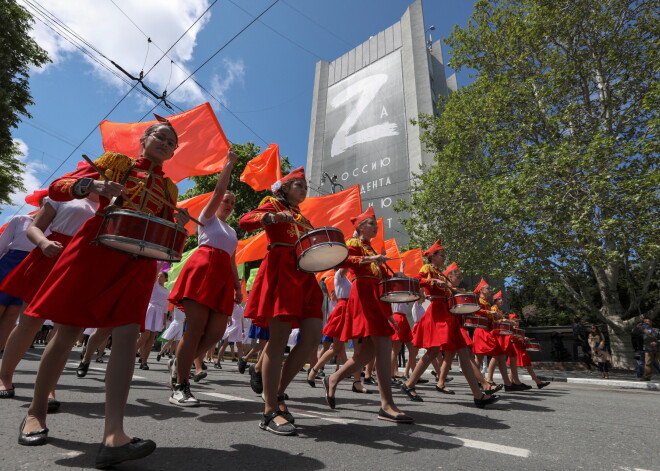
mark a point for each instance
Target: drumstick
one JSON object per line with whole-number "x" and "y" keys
{"x": 301, "y": 224}
{"x": 105, "y": 177}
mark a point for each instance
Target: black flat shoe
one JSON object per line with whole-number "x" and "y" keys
{"x": 492, "y": 391}
{"x": 485, "y": 400}
{"x": 256, "y": 380}
{"x": 242, "y": 364}
{"x": 444, "y": 390}
{"x": 9, "y": 393}
{"x": 312, "y": 382}
{"x": 112, "y": 455}
{"x": 200, "y": 376}
{"x": 81, "y": 372}
{"x": 53, "y": 405}
{"x": 217, "y": 366}
{"x": 356, "y": 390}
{"x": 267, "y": 423}
{"x": 399, "y": 419}
{"x": 422, "y": 381}
{"x": 328, "y": 398}
{"x": 538, "y": 385}
{"x": 36, "y": 438}
{"x": 409, "y": 392}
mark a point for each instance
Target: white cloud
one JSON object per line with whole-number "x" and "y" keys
{"x": 30, "y": 181}
{"x": 233, "y": 74}
{"x": 104, "y": 26}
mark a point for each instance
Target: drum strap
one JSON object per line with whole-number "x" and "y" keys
{"x": 119, "y": 202}
{"x": 279, "y": 244}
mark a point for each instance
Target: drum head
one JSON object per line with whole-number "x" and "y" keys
{"x": 464, "y": 308}
{"x": 143, "y": 249}
{"x": 399, "y": 297}
{"x": 322, "y": 257}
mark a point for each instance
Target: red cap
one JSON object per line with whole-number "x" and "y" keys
{"x": 434, "y": 248}
{"x": 498, "y": 295}
{"x": 35, "y": 198}
{"x": 481, "y": 284}
{"x": 369, "y": 213}
{"x": 452, "y": 266}
{"x": 296, "y": 174}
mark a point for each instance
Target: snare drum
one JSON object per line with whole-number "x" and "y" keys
{"x": 475, "y": 321}
{"x": 518, "y": 333}
{"x": 399, "y": 290}
{"x": 321, "y": 249}
{"x": 463, "y": 303}
{"x": 503, "y": 327}
{"x": 532, "y": 346}
{"x": 142, "y": 234}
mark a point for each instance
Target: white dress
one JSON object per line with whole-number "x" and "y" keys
{"x": 157, "y": 308}
{"x": 235, "y": 331}
{"x": 175, "y": 329}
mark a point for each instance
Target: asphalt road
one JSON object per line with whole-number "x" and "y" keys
{"x": 562, "y": 427}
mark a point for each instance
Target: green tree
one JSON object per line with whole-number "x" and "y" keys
{"x": 17, "y": 53}
{"x": 546, "y": 166}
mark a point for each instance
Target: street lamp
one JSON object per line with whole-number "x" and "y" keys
{"x": 429, "y": 41}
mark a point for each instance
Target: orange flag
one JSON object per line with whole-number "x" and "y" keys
{"x": 252, "y": 248}
{"x": 334, "y": 210}
{"x": 194, "y": 206}
{"x": 325, "y": 274}
{"x": 413, "y": 260}
{"x": 264, "y": 170}
{"x": 378, "y": 242}
{"x": 330, "y": 284}
{"x": 392, "y": 251}
{"x": 202, "y": 143}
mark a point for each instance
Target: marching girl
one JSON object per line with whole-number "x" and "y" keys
{"x": 63, "y": 219}
{"x": 283, "y": 297}
{"x": 333, "y": 330}
{"x": 94, "y": 286}
{"x": 367, "y": 318}
{"x": 14, "y": 248}
{"x": 207, "y": 287}
{"x": 440, "y": 331}
{"x": 523, "y": 359}
{"x": 485, "y": 341}
{"x": 402, "y": 336}
{"x": 154, "y": 320}
{"x": 506, "y": 343}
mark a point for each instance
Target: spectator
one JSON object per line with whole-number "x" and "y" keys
{"x": 637, "y": 339}
{"x": 651, "y": 347}
{"x": 598, "y": 352}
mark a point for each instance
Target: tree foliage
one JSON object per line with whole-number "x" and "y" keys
{"x": 17, "y": 53}
{"x": 546, "y": 165}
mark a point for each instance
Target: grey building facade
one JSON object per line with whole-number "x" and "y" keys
{"x": 360, "y": 130}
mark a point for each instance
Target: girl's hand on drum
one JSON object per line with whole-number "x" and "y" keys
{"x": 50, "y": 248}
{"x": 181, "y": 216}
{"x": 107, "y": 189}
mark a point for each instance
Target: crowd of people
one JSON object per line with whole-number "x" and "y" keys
{"x": 55, "y": 270}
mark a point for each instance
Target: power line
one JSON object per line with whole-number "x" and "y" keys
{"x": 316, "y": 23}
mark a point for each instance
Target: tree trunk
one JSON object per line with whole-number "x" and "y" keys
{"x": 621, "y": 344}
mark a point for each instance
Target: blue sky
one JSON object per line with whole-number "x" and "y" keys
{"x": 265, "y": 76}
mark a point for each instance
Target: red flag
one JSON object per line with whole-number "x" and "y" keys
{"x": 335, "y": 209}
{"x": 413, "y": 261}
{"x": 202, "y": 143}
{"x": 392, "y": 251}
{"x": 194, "y": 206}
{"x": 264, "y": 170}
{"x": 253, "y": 248}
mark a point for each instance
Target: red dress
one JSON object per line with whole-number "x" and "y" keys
{"x": 92, "y": 285}
{"x": 522, "y": 355}
{"x": 485, "y": 342}
{"x": 404, "y": 334}
{"x": 280, "y": 289}
{"x": 336, "y": 319}
{"x": 438, "y": 327}
{"x": 365, "y": 314}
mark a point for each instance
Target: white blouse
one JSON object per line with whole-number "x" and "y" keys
{"x": 217, "y": 234}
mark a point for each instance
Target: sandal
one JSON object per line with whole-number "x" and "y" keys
{"x": 285, "y": 413}
{"x": 444, "y": 390}
{"x": 267, "y": 423}
{"x": 356, "y": 390}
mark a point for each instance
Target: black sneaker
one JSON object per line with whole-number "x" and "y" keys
{"x": 181, "y": 396}
{"x": 267, "y": 423}
{"x": 81, "y": 372}
{"x": 255, "y": 380}
{"x": 242, "y": 364}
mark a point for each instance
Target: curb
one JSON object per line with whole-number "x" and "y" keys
{"x": 615, "y": 383}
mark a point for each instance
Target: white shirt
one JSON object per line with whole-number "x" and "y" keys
{"x": 159, "y": 296}
{"x": 342, "y": 286}
{"x": 237, "y": 315}
{"x": 401, "y": 308}
{"x": 418, "y": 311}
{"x": 217, "y": 234}
{"x": 71, "y": 215}
{"x": 14, "y": 237}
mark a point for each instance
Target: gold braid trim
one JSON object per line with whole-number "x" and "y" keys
{"x": 366, "y": 251}
{"x": 273, "y": 201}
{"x": 172, "y": 189}
{"x": 114, "y": 164}
{"x": 354, "y": 242}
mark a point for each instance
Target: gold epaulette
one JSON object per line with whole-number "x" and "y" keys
{"x": 115, "y": 165}
{"x": 426, "y": 269}
{"x": 172, "y": 189}
{"x": 354, "y": 242}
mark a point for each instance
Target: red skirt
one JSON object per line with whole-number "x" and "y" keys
{"x": 335, "y": 320}
{"x": 366, "y": 314}
{"x": 485, "y": 343}
{"x": 404, "y": 334}
{"x": 281, "y": 290}
{"x": 521, "y": 353}
{"x": 208, "y": 278}
{"x": 506, "y": 345}
{"x": 26, "y": 279}
{"x": 94, "y": 286}
{"x": 439, "y": 328}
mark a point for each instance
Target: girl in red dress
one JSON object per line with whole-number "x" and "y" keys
{"x": 523, "y": 359}
{"x": 283, "y": 297}
{"x": 94, "y": 286}
{"x": 440, "y": 331}
{"x": 207, "y": 287}
{"x": 402, "y": 336}
{"x": 367, "y": 318}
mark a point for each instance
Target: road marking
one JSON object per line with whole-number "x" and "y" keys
{"x": 227, "y": 397}
{"x": 101, "y": 370}
{"x": 71, "y": 454}
{"x": 466, "y": 442}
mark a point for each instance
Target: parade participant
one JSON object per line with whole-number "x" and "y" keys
{"x": 282, "y": 296}
{"x": 207, "y": 286}
{"x": 400, "y": 337}
{"x": 235, "y": 332}
{"x": 155, "y": 319}
{"x": 332, "y": 329}
{"x": 367, "y": 318}
{"x": 522, "y": 356}
{"x": 62, "y": 220}
{"x": 173, "y": 333}
{"x": 441, "y": 331}
{"x": 260, "y": 335}
{"x": 485, "y": 341}
{"x": 115, "y": 294}
{"x": 14, "y": 248}
{"x": 417, "y": 313}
